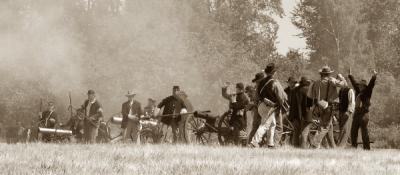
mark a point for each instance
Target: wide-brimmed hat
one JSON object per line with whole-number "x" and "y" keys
{"x": 270, "y": 68}
{"x": 326, "y": 70}
{"x": 130, "y": 93}
{"x": 258, "y": 76}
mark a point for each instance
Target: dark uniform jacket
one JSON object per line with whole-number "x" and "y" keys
{"x": 172, "y": 105}
{"x": 300, "y": 104}
{"x": 126, "y": 107}
{"x": 272, "y": 90}
{"x": 45, "y": 119}
{"x": 95, "y": 110}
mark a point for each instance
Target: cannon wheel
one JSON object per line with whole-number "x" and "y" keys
{"x": 148, "y": 136}
{"x": 224, "y": 132}
{"x": 198, "y": 133}
{"x": 288, "y": 130}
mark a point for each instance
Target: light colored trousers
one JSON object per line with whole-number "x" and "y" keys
{"x": 268, "y": 125}
{"x": 131, "y": 130}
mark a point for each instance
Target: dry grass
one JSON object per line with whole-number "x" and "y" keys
{"x": 187, "y": 159}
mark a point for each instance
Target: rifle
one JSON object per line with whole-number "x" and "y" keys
{"x": 170, "y": 115}
{"x": 70, "y": 104}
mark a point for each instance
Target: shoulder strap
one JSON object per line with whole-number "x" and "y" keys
{"x": 265, "y": 85}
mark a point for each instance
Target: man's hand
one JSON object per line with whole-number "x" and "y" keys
{"x": 226, "y": 84}
{"x": 92, "y": 118}
{"x": 375, "y": 72}
{"x": 340, "y": 77}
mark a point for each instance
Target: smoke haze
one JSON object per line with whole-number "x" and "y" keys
{"x": 148, "y": 47}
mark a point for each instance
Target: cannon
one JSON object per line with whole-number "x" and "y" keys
{"x": 54, "y": 135}
{"x": 55, "y": 131}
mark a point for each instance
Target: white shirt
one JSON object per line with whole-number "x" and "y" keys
{"x": 352, "y": 101}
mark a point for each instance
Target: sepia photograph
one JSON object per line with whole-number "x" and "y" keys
{"x": 193, "y": 87}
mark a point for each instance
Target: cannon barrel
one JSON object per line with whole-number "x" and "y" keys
{"x": 116, "y": 120}
{"x": 55, "y": 131}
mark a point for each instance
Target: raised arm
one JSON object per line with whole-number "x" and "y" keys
{"x": 225, "y": 93}
{"x": 371, "y": 84}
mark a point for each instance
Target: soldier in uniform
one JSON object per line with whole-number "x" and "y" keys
{"x": 323, "y": 93}
{"x": 252, "y": 93}
{"x": 292, "y": 84}
{"x": 131, "y": 113}
{"x": 93, "y": 115}
{"x": 173, "y": 105}
{"x": 270, "y": 92}
{"x": 363, "y": 102}
{"x": 346, "y": 111}
{"x": 237, "y": 104}
{"x": 299, "y": 110}
{"x": 48, "y": 119}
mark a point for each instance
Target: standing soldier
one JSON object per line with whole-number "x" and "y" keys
{"x": 252, "y": 93}
{"x": 361, "y": 117}
{"x": 48, "y": 119}
{"x": 292, "y": 84}
{"x": 131, "y": 113}
{"x": 173, "y": 105}
{"x": 324, "y": 92}
{"x": 346, "y": 110}
{"x": 271, "y": 94}
{"x": 237, "y": 105}
{"x": 93, "y": 115}
{"x": 299, "y": 110}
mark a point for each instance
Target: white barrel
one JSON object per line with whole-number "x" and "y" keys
{"x": 55, "y": 131}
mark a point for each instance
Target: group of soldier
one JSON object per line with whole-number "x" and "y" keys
{"x": 301, "y": 103}
{"x": 304, "y": 103}
{"x": 90, "y": 115}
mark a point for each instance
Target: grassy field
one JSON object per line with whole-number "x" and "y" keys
{"x": 187, "y": 159}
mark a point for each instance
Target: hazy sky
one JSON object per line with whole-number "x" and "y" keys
{"x": 287, "y": 31}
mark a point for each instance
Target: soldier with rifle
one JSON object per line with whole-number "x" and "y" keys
{"x": 173, "y": 107}
{"x": 93, "y": 115}
{"x": 272, "y": 104}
